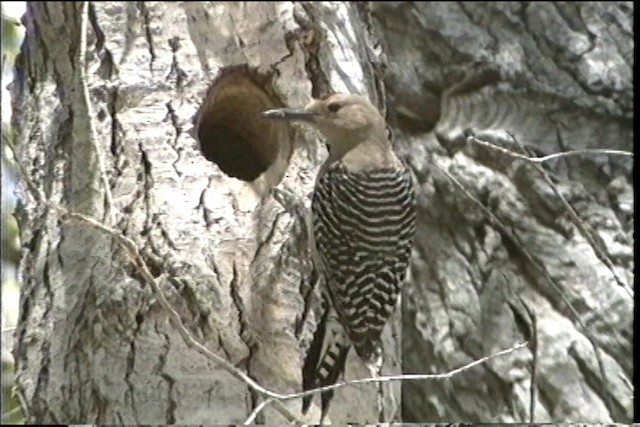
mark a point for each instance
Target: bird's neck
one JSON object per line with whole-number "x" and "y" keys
{"x": 368, "y": 154}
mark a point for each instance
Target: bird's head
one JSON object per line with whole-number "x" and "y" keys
{"x": 344, "y": 120}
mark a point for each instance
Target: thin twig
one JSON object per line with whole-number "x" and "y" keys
{"x": 503, "y": 229}
{"x": 534, "y": 362}
{"x": 526, "y": 253}
{"x": 536, "y": 161}
{"x": 132, "y": 250}
{"x": 86, "y": 101}
{"x": 133, "y": 253}
{"x": 553, "y": 156}
{"x": 250, "y": 419}
{"x": 587, "y": 233}
{"x": 412, "y": 377}
{"x": 139, "y": 262}
{"x": 402, "y": 377}
{"x": 272, "y": 397}
{"x": 285, "y": 412}
{"x": 585, "y": 230}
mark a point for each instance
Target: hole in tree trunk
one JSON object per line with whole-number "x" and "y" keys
{"x": 230, "y": 131}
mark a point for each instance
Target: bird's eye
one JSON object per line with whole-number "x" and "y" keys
{"x": 333, "y": 107}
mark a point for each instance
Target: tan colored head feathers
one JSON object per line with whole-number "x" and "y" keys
{"x": 345, "y": 120}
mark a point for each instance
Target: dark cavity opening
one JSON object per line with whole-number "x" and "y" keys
{"x": 230, "y": 131}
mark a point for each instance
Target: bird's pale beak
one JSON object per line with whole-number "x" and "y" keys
{"x": 288, "y": 114}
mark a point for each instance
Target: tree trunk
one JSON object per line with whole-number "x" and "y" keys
{"x": 153, "y": 130}
{"x": 558, "y": 77}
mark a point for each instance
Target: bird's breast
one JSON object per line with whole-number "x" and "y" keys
{"x": 366, "y": 211}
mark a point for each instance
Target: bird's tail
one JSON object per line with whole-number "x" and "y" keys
{"x": 326, "y": 358}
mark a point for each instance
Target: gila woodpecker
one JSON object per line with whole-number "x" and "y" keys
{"x": 364, "y": 219}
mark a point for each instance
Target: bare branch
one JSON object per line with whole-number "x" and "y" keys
{"x": 588, "y": 234}
{"x": 285, "y": 412}
{"x": 536, "y": 161}
{"x": 402, "y": 377}
{"x": 139, "y": 262}
{"x": 251, "y": 418}
{"x": 584, "y": 228}
{"x": 272, "y": 397}
{"x": 553, "y": 156}
{"x": 132, "y": 250}
{"x": 411, "y": 377}
{"x": 86, "y": 100}
{"x": 528, "y": 256}
{"x": 134, "y": 254}
{"x": 534, "y": 362}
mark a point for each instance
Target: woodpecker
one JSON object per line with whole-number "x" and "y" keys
{"x": 364, "y": 219}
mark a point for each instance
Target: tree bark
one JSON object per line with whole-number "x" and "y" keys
{"x": 558, "y": 77}
{"x": 152, "y": 129}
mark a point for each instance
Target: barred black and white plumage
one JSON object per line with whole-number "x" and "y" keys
{"x": 327, "y": 355}
{"x": 363, "y": 215}
{"x": 364, "y": 224}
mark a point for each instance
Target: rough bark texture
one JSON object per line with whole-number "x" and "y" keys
{"x": 120, "y": 144}
{"x": 558, "y": 76}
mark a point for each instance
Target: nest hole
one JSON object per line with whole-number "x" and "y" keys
{"x": 230, "y": 131}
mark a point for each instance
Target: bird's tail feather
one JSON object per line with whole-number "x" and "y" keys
{"x": 326, "y": 358}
